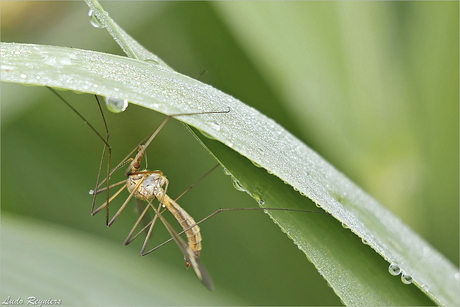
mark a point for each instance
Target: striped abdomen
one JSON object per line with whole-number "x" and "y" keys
{"x": 185, "y": 221}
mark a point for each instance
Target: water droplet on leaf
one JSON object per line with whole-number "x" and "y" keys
{"x": 406, "y": 279}
{"x": 394, "y": 269}
{"x": 95, "y": 22}
{"x": 238, "y": 185}
{"x": 116, "y": 105}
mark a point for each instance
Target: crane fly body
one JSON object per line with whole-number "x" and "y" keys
{"x": 148, "y": 186}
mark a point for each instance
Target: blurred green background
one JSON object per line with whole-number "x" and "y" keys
{"x": 371, "y": 86}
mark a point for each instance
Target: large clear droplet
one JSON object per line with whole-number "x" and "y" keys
{"x": 406, "y": 279}
{"x": 394, "y": 269}
{"x": 256, "y": 164}
{"x": 116, "y": 105}
{"x": 259, "y": 199}
{"x": 95, "y": 22}
{"x": 238, "y": 185}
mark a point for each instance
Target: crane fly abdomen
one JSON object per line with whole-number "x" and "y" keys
{"x": 192, "y": 230}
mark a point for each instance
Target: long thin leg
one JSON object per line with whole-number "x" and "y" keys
{"x": 195, "y": 183}
{"x": 130, "y": 238}
{"x": 111, "y": 198}
{"x": 152, "y": 224}
{"x": 91, "y": 192}
{"x": 224, "y": 210}
{"x": 104, "y": 140}
{"x": 157, "y": 130}
{"x": 149, "y": 140}
{"x": 109, "y": 157}
{"x": 120, "y": 210}
{"x": 81, "y": 116}
{"x": 93, "y": 202}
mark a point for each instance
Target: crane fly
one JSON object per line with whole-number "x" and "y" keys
{"x": 147, "y": 186}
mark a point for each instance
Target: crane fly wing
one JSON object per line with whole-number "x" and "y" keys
{"x": 189, "y": 255}
{"x": 145, "y": 217}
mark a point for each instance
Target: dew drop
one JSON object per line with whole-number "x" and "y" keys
{"x": 23, "y": 76}
{"x": 238, "y": 185}
{"x": 394, "y": 269}
{"x": 152, "y": 62}
{"x": 116, "y": 105}
{"x": 230, "y": 142}
{"x": 95, "y": 22}
{"x": 345, "y": 226}
{"x": 214, "y": 126}
{"x": 406, "y": 279}
{"x": 259, "y": 200}
{"x": 91, "y": 192}
{"x": 226, "y": 172}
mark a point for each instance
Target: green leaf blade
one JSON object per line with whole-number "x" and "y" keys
{"x": 351, "y": 268}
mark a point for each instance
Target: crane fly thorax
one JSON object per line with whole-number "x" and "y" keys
{"x": 146, "y": 186}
